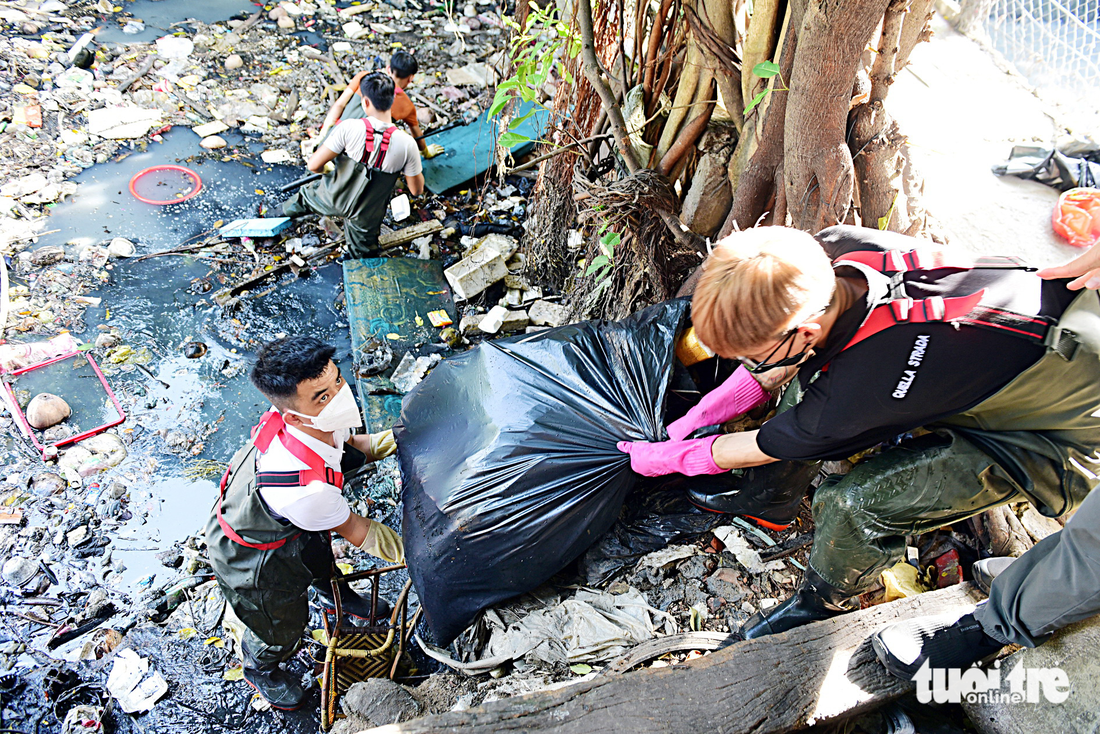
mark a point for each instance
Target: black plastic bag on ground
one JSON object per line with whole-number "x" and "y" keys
{"x": 1051, "y": 167}
{"x": 508, "y": 457}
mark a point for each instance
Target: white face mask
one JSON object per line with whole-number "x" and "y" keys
{"x": 340, "y": 412}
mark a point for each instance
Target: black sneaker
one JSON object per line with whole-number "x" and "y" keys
{"x": 944, "y": 642}
{"x": 987, "y": 569}
{"x": 351, "y": 603}
{"x": 277, "y": 687}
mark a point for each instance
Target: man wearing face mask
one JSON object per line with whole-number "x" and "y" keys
{"x": 281, "y": 497}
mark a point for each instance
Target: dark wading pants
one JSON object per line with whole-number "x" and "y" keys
{"x": 354, "y": 192}
{"x": 1036, "y": 439}
{"x": 267, "y": 588}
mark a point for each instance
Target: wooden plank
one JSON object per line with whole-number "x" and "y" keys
{"x": 813, "y": 674}
{"x": 408, "y": 234}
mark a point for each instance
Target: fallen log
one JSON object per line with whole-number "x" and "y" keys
{"x": 408, "y": 234}
{"x": 820, "y": 672}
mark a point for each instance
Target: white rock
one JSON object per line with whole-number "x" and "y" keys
{"x": 210, "y": 128}
{"x": 286, "y": 23}
{"x": 492, "y": 321}
{"x": 18, "y": 571}
{"x": 46, "y": 409}
{"x": 544, "y": 313}
{"x": 213, "y": 141}
{"x": 233, "y": 61}
{"x": 119, "y": 123}
{"x": 121, "y": 247}
{"x": 276, "y": 156}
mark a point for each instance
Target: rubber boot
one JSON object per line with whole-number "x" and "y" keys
{"x": 351, "y": 603}
{"x": 948, "y": 641}
{"x": 273, "y": 683}
{"x": 988, "y": 569}
{"x": 770, "y": 494}
{"x": 814, "y": 601}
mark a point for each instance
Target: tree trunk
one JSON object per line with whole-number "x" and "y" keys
{"x": 818, "y": 170}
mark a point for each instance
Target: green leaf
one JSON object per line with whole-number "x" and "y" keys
{"x": 520, "y": 120}
{"x": 610, "y": 241}
{"x": 884, "y": 221}
{"x": 597, "y": 263}
{"x": 581, "y": 669}
{"x": 766, "y": 69}
{"x": 498, "y": 103}
{"x": 755, "y": 101}
{"x": 510, "y": 140}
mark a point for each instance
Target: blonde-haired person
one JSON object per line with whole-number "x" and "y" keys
{"x": 879, "y": 335}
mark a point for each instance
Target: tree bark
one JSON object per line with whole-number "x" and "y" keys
{"x": 824, "y": 671}
{"x": 594, "y": 74}
{"x": 760, "y": 44}
{"x": 818, "y": 169}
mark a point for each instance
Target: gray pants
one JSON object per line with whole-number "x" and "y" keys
{"x": 1054, "y": 584}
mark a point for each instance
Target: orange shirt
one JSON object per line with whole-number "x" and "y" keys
{"x": 403, "y": 108}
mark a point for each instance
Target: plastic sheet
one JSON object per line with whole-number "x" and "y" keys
{"x": 508, "y": 457}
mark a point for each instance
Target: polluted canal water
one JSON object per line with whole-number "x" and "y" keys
{"x": 184, "y": 411}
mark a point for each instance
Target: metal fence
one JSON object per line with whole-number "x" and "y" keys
{"x": 1054, "y": 44}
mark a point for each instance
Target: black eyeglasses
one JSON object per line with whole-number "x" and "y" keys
{"x": 757, "y": 368}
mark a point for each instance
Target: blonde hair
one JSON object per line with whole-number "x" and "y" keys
{"x": 756, "y": 285}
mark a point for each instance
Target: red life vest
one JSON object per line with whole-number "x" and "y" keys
{"x": 270, "y": 426}
{"x": 967, "y": 309}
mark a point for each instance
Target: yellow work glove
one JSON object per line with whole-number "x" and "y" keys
{"x": 329, "y": 168}
{"x": 383, "y": 542}
{"x": 433, "y": 150}
{"x": 381, "y": 445}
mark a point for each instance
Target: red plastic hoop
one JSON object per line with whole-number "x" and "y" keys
{"x": 186, "y": 171}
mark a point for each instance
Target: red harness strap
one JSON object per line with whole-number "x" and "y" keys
{"x": 959, "y": 309}
{"x": 368, "y": 144}
{"x": 270, "y": 426}
{"x": 895, "y": 261}
{"x": 908, "y": 311}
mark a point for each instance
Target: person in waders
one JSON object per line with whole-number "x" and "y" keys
{"x": 980, "y": 380}
{"x": 349, "y": 106}
{"x": 362, "y": 160}
{"x": 268, "y": 535}
{"x": 1052, "y": 585}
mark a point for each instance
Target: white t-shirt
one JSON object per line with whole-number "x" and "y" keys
{"x": 350, "y": 137}
{"x": 317, "y": 505}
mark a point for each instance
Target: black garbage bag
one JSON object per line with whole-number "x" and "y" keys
{"x": 508, "y": 457}
{"x": 1051, "y": 167}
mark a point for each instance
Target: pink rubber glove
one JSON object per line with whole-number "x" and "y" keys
{"x": 689, "y": 458}
{"x": 733, "y": 397}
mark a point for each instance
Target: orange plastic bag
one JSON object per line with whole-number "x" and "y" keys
{"x": 1077, "y": 217}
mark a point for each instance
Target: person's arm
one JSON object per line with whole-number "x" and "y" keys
{"x": 320, "y": 157}
{"x": 374, "y": 446}
{"x": 373, "y": 537}
{"x": 418, "y": 136}
{"x": 415, "y": 184}
{"x": 1085, "y": 268}
{"x": 338, "y": 107}
{"x": 738, "y": 451}
{"x": 354, "y": 529}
